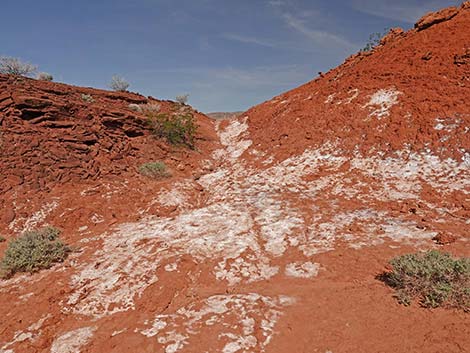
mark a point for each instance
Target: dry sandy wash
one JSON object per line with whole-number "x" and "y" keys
{"x": 270, "y": 236}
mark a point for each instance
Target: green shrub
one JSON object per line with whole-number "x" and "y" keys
{"x": 178, "y": 128}
{"x": 2, "y": 239}
{"x": 33, "y": 251}
{"x": 154, "y": 170}
{"x": 434, "y": 278}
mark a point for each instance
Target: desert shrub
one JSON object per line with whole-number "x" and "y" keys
{"x": 434, "y": 278}
{"x": 182, "y": 99}
{"x": 44, "y": 76}
{"x": 155, "y": 170}
{"x": 33, "y": 251}
{"x": 150, "y": 108}
{"x": 118, "y": 84}
{"x": 14, "y": 66}
{"x": 135, "y": 107}
{"x": 147, "y": 109}
{"x": 87, "y": 98}
{"x": 178, "y": 128}
{"x": 2, "y": 239}
{"x": 374, "y": 40}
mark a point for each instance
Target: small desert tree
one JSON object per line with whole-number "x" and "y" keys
{"x": 118, "y": 84}
{"x": 182, "y": 99}
{"x": 14, "y": 66}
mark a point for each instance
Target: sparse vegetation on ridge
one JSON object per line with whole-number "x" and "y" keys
{"x": 147, "y": 109}
{"x": 118, "y": 84}
{"x": 182, "y": 99}
{"x": 178, "y": 127}
{"x": 434, "y": 278}
{"x": 16, "y": 67}
{"x": 44, "y": 76}
{"x": 156, "y": 170}
{"x": 33, "y": 251}
{"x": 374, "y": 40}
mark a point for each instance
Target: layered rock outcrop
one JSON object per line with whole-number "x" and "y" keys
{"x": 54, "y": 133}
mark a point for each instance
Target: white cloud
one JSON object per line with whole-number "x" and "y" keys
{"x": 260, "y": 76}
{"x": 299, "y": 45}
{"x": 256, "y": 76}
{"x": 251, "y": 40}
{"x": 320, "y": 37}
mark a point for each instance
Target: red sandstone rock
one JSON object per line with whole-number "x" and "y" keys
{"x": 392, "y": 35}
{"x": 436, "y": 17}
{"x": 444, "y": 238}
{"x": 64, "y": 129}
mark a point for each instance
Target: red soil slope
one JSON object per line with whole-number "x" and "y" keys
{"x": 270, "y": 236}
{"x": 411, "y": 92}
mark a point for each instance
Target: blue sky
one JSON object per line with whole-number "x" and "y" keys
{"x": 227, "y": 54}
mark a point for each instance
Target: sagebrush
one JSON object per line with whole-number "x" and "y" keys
{"x": 135, "y": 107}
{"x": 182, "y": 99}
{"x": 87, "y": 98}
{"x": 147, "y": 109}
{"x": 44, "y": 76}
{"x": 433, "y": 278}
{"x": 33, "y": 251}
{"x": 154, "y": 170}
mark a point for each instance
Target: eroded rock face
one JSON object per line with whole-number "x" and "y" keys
{"x": 268, "y": 238}
{"x": 50, "y": 133}
{"x": 436, "y": 17}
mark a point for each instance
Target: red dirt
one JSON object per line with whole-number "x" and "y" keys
{"x": 269, "y": 236}
{"x": 428, "y": 67}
